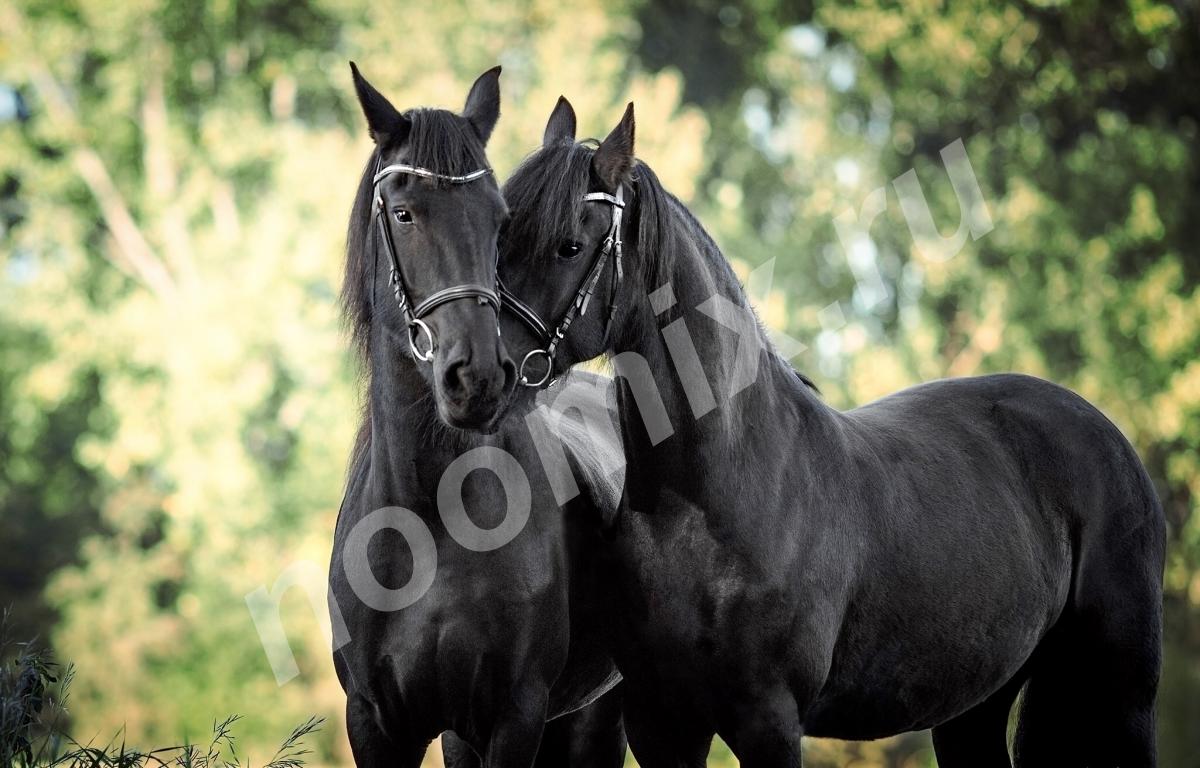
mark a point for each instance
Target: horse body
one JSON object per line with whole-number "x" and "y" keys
{"x": 493, "y": 640}
{"x": 780, "y": 568}
{"x": 948, "y": 520}
{"x": 927, "y": 550}
{"x": 884, "y": 570}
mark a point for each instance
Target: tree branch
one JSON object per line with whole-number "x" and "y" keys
{"x": 135, "y": 250}
{"x": 162, "y": 177}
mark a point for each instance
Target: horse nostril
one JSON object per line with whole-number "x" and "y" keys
{"x": 462, "y": 380}
{"x": 455, "y": 377}
{"x": 510, "y": 373}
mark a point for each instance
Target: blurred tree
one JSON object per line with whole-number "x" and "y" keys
{"x": 48, "y": 498}
{"x": 144, "y": 257}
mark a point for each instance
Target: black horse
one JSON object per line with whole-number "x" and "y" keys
{"x": 781, "y": 568}
{"x": 483, "y": 642}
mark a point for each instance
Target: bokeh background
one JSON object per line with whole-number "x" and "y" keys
{"x": 176, "y": 399}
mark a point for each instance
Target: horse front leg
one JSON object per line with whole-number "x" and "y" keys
{"x": 589, "y": 738}
{"x": 457, "y": 753}
{"x": 373, "y": 747}
{"x": 662, "y": 736}
{"x": 517, "y": 734}
{"x": 766, "y": 732}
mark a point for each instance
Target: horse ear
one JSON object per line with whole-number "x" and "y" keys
{"x": 483, "y": 103}
{"x": 383, "y": 120}
{"x": 561, "y": 125}
{"x": 613, "y": 161}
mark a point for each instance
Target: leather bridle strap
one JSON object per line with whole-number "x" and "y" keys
{"x": 524, "y": 313}
{"x": 465, "y": 291}
{"x": 413, "y": 315}
{"x": 611, "y": 247}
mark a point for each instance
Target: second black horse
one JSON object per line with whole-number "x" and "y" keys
{"x": 780, "y": 568}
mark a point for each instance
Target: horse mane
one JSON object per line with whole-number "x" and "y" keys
{"x": 545, "y": 199}
{"x": 438, "y": 140}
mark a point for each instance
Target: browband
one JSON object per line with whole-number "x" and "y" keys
{"x": 425, "y": 173}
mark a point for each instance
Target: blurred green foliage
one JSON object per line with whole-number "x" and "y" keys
{"x": 176, "y": 405}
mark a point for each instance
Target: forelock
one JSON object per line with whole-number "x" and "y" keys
{"x": 443, "y": 142}
{"x": 545, "y": 196}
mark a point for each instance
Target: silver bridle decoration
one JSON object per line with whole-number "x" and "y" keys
{"x": 425, "y": 173}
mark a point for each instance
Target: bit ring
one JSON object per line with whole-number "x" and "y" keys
{"x": 524, "y": 378}
{"x": 419, "y": 324}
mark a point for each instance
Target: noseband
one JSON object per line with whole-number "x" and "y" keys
{"x": 413, "y": 314}
{"x": 550, "y": 339}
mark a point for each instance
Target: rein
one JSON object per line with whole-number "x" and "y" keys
{"x": 413, "y": 314}
{"x": 612, "y": 247}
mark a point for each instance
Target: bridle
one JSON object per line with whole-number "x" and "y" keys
{"x": 550, "y": 339}
{"x": 413, "y": 314}
{"x": 501, "y": 297}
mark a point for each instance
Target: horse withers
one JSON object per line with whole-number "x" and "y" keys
{"x": 780, "y": 568}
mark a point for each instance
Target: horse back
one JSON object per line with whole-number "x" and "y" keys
{"x": 1047, "y": 443}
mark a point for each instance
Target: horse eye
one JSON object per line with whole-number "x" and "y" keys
{"x": 402, "y": 216}
{"x": 569, "y": 249}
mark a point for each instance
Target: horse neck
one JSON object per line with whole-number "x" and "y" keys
{"x": 408, "y": 443}
{"x": 742, "y": 426}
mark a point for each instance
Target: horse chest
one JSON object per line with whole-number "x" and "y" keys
{"x": 491, "y": 624}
